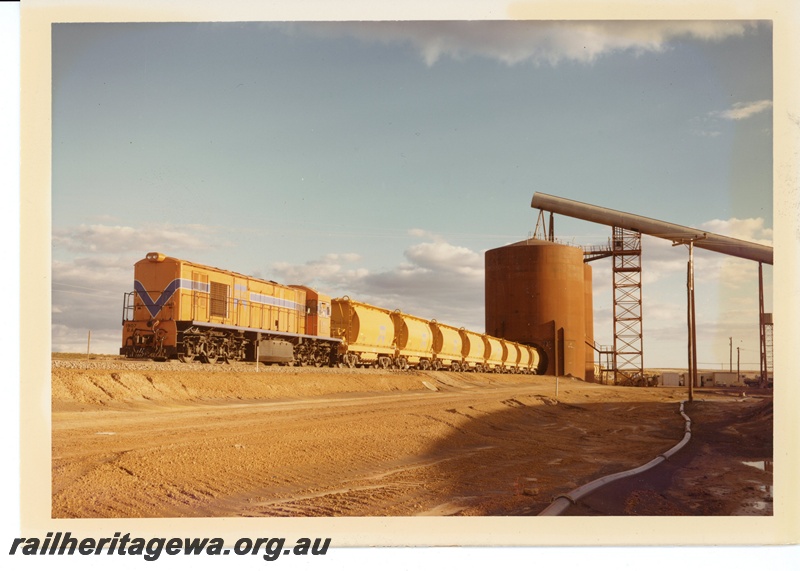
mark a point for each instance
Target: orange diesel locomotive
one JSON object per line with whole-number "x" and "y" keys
{"x": 183, "y": 310}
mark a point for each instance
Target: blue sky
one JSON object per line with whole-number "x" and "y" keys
{"x": 381, "y": 160}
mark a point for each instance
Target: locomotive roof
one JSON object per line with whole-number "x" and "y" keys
{"x": 159, "y": 258}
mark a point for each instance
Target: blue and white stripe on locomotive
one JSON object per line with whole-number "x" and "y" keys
{"x": 156, "y": 305}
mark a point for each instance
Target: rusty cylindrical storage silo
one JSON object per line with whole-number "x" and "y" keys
{"x": 536, "y": 294}
{"x": 589, "y": 317}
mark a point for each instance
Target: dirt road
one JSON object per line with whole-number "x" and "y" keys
{"x": 200, "y": 441}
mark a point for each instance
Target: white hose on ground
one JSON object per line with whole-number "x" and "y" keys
{"x": 563, "y": 501}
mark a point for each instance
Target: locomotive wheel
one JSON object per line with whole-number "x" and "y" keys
{"x": 189, "y": 352}
{"x": 210, "y": 355}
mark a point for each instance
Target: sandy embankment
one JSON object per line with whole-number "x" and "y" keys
{"x": 153, "y": 440}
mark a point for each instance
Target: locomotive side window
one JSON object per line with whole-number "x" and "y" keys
{"x": 219, "y": 300}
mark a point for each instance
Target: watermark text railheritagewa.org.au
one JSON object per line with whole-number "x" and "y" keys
{"x": 270, "y": 549}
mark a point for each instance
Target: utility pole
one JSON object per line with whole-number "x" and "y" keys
{"x": 694, "y": 320}
{"x": 690, "y": 372}
{"x": 738, "y": 373}
{"x": 730, "y": 345}
{"x": 762, "y": 335}
{"x": 690, "y": 314}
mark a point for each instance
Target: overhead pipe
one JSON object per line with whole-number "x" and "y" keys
{"x": 653, "y": 227}
{"x": 562, "y": 502}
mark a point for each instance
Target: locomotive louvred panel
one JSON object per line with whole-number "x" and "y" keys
{"x": 219, "y": 300}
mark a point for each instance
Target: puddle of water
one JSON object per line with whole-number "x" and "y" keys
{"x": 765, "y": 465}
{"x": 767, "y": 490}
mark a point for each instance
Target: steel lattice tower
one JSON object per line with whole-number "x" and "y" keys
{"x": 626, "y": 248}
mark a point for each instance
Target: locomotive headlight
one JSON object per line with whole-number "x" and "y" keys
{"x": 155, "y": 257}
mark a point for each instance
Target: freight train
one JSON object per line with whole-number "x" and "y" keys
{"x": 183, "y": 310}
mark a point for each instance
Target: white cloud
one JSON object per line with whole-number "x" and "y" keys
{"x": 102, "y": 238}
{"x": 87, "y": 295}
{"x": 514, "y": 42}
{"x": 744, "y": 110}
{"x": 437, "y": 280}
{"x": 444, "y": 257}
{"x": 420, "y": 233}
{"x": 328, "y": 270}
{"x": 749, "y": 229}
